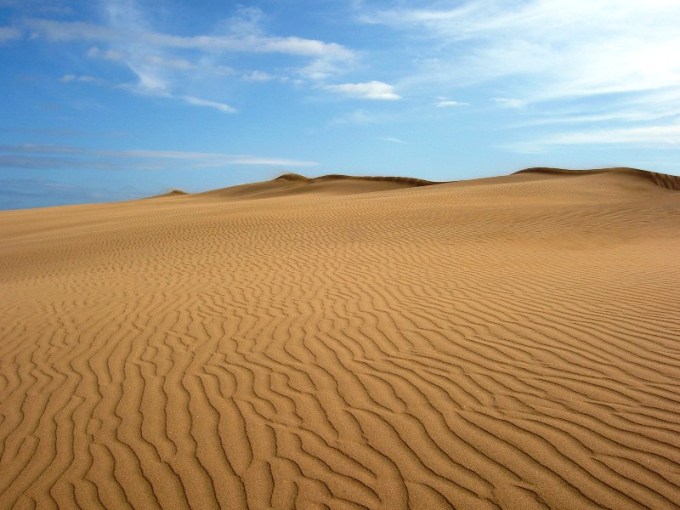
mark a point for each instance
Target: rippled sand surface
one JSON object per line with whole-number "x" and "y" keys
{"x": 346, "y": 343}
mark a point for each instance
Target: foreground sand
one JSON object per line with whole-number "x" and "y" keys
{"x": 512, "y": 342}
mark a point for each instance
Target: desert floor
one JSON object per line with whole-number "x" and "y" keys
{"x": 346, "y": 343}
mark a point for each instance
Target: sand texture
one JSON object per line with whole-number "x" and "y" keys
{"x": 347, "y": 343}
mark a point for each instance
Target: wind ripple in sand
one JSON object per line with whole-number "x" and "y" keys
{"x": 511, "y": 343}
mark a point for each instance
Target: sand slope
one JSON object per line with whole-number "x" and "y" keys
{"x": 511, "y": 342}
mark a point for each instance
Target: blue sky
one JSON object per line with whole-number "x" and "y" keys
{"x": 115, "y": 99}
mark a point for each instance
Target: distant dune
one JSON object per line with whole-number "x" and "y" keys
{"x": 347, "y": 342}
{"x": 663, "y": 180}
{"x": 171, "y": 193}
{"x": 294, "y": 184}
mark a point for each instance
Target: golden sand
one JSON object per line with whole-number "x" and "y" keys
{"x": 346, "y": 343}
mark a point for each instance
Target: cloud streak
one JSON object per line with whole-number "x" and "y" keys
{"x": 187, "y": 68}
{"x": 662, "y": 136}
{"x": 64, "y": 157}
{"x": 563, "y": 48}
{"x": 17, "y": 193}
{"x": 537, "y": 56}
{"x": 443, "y": 102}
{"x": 374, "y": 90}
{"x": 9, "y": 34}
{"x": 392, "y": 139}
{"x": 62, "y": 31}
{"x": 222, "y": 107}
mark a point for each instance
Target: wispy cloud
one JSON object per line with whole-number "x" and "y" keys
{"x": 57, "y": 132}
{"x": 654, "y": 136}
{"x": 443, "y": 102}
{"x": 208, "y": 159}
{"x": 114, "y": 55}
{"x": 181, "y": 67}
{"x": 43, "y": 7}
{"x": 69, "y": 78}
{"x": 30, "y": 148}
{"x": 9, "y": 34}
{"x": 561, "y": 47}
{"x": 20, "y": 193}
{"x": 357, "y": 117}
{"x": 612, "y": 62}
{"x": 222, "y": 107}
{"x": 375, "y": 90}
{"x": 160, "y": 61}
{"x": 509, "y": 102}
{"x": 155, "y": 89}
{"x": 392, "y": 139}
{"x": 64, "y": 157}
{"x": 257, "y": 76}
{"x": 249, "y": 43}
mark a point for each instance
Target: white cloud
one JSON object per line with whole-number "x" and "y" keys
{"x": 9, "y": 34}
{"x": 654, "y": 136}
{"x": 149, "y": 82}
{"x": 188, "y": 67}
{"x": 552, "y": 49}
{"x": 55, "y": 156}
{"x": 375, "y": 90}
{"x": 257, "y": 76}
{"x": 114, "y": 55}
{"x": 69, "y": 78}
{"x": 170, "y": 63}
{"x": 62, "y": 31}
{"x": 662, "y": 135}
{"x": 392, "y": 139}
{"x": 210, "y": 159}
{"x": 198, "y": 160}
{"x": 148, "y": 85}
{"x": 509, "y": 102}
{"x": 443, "y": 102}
{"x": 247, "y": 43}
{"x": 621, "y": 116}
{"x": 358, "y": 117}
{"x": 609, "y": 67}
{"x": 222, "y": 107}
{"x": 30, "y": 148}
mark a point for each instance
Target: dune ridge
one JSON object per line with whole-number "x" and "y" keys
{"x": 172, "y": 193}
{"x": 295, "y": 184}
{"x": 667, "y": 181}
{"x": 512, "y": 342}
{"x": 411, "y": 181}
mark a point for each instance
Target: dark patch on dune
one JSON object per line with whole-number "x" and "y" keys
{"x": 410, "y": 181}
{"x": 292, "y": 178}
{"x": 171, "y": 193}
{"x": 671, "y": 182}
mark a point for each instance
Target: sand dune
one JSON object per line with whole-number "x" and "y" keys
{"x": 171, "y": 193}
{"x": 294, "y": 184}
{"x": 663, "y": 180}
{"x": 347, "y": 343}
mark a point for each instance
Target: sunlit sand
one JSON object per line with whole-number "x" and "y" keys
{"x": 345, "y": 343}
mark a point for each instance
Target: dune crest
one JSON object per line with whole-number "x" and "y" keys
{"x": 344, "y": 342}
{"x": 667, "y": 181}
{"x": 292, "y": 177}
{"x": 171, "y": 193}
{"x": 295, "y": 184}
